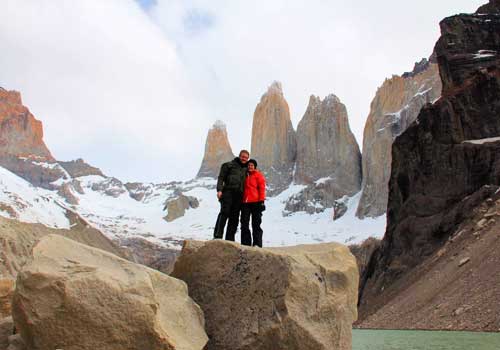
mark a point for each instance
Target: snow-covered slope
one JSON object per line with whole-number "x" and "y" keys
{"x": 107, "y": 204}
{"x": 21, "y": 200}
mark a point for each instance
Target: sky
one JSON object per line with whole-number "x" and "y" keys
{"x": 132, "y": 86}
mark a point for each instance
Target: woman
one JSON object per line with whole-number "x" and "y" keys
{"x": 254, "y": 194}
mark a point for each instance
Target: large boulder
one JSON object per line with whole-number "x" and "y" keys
{"x": 301, "y": 297}
{"x": 274, "y": 143}
{"x": 73, "y": 297}
{"x": 217, "y": 151}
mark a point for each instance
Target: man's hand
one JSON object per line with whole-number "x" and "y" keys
{"x": 262, "y": 206}
{"x": 219, "y": 195}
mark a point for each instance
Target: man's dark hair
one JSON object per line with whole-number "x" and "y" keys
{"x": 244, "y": 151}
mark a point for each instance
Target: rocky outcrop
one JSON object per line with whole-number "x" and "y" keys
{"x": 396, "y": 105}
{"x": 274, "y": 143}
{"x": 73, "y": 297}
{"x": 328, "y": 157}
{"x": 21, "y": 134}
{"x": 177, "y": 207}
{"x": 442, "y": 164}
{"x": 66, "y": 191}
{"x": 301, "y": 297}
{"x": 22, "y": 149}
{"x": 110, "y": 186}
{"x": 326, "y": 147}
{"x": 38, "y": 173}
{"x": 363, "y": 252}
{"x": 78, "y": 167}
{"x": 217, "y": 151}
{"x": 317, "y": 197}
{"x": 138, "y": 190}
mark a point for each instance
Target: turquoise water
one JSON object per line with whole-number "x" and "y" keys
{"x": 423, "y": 340}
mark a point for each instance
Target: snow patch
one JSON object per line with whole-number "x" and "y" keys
{"x": 484, "y": 54}
{"x": 482, "y": 141}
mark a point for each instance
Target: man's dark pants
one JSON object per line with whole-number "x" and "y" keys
{"x": 253, "y": 210}
{"x": 230, "y": 205}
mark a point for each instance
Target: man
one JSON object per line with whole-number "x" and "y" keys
{"x": 230, "y": 194}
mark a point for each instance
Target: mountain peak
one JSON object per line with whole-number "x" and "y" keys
{"x": 275, "y": 88}
{"x": 217, "y": 151}
{"x": 21, "y": 135}
{"x": 219, "y": 124}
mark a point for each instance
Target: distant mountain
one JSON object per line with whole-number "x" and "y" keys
{"x": 217, "y": 151}
{"x": 274, "y": 142}
{"x": 328, "y": 158}
{"x": 396, "y": 105}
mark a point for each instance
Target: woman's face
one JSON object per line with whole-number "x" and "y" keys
{"x": 251, "y": 167}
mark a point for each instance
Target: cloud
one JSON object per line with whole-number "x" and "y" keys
{"x": 133, "y": 86}
{"x": 107, "y": 84}
{"x": 313, "y": 47}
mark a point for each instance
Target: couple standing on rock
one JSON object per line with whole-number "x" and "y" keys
{"x": 241, "y": 187}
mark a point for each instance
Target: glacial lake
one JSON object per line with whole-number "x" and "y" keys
{"x": 423, "y": 340}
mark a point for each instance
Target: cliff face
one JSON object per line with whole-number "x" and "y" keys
{"x": 395, "y": 106}
{"x": 326, "y": 147}
{"x": 22, "y": 150}
{"x": 328, "y": 157}
{"x": 274, "y": 142}
{"x": 217, "y": 151}
{"x": 21, "y": 134}
{"x": 443, "y": 163}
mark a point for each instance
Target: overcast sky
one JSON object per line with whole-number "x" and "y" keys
{"x": 132, "y": 86}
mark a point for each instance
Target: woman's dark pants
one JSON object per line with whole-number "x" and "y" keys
{"x": 253, "y": 210}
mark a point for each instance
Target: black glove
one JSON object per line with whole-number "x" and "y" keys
{"x": 262, "y": 206}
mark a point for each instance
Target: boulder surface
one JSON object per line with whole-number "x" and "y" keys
{"x": 73, "y": 297}
{"x": 301, "y": 297}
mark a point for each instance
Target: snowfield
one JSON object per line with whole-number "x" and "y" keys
{"x": 106, "y": 204}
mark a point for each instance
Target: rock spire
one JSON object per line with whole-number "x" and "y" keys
{"x": 274, "y": 142}
{"x": 326, "y": 147}
{"x": 217, "y": 151}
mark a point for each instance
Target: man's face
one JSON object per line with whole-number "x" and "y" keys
{"x": 244, "y": 157}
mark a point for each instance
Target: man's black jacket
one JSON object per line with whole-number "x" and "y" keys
{"x": 232, "y": 176}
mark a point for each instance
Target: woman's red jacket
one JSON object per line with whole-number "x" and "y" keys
{"x": 255, "y": 187}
